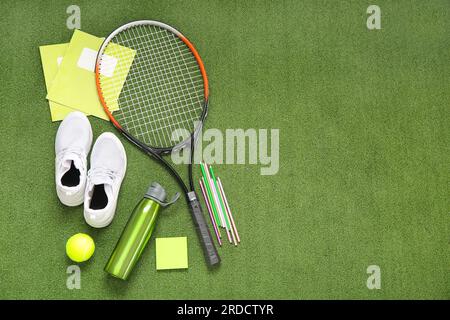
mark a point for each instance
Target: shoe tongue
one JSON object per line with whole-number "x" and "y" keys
{"x": 97, "y": 179}
{"x": 67, "y": 162}
{"x": 65, "y": 166}
{"x": 77, "y": 163}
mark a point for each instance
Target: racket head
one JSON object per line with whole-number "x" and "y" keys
{"x": 152, "y": 84}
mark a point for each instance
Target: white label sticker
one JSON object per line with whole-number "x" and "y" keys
{"x": 87, "y": 61}
{"x": 108, "y": 65}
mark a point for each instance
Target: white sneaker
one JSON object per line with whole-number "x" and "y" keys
{"x": 108, "y": 166}
{"x": 72, "y": 144}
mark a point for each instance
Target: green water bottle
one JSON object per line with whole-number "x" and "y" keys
{"x": 137, "y": 232}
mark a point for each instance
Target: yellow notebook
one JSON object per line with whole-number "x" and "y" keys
{"x": 74, "y": 85}
{"x": 51, "y": 57}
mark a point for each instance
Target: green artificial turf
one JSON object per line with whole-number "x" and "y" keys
{"x": 364, "y": 145}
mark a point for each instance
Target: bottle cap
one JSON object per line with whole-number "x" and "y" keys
{"x": 157, "y": 193}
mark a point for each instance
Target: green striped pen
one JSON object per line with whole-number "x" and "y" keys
{"x": 210, "y": 196}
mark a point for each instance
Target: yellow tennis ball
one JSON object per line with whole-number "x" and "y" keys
{"x": 80, "y": 247}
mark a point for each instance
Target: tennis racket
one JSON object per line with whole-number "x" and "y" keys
{"x": 154, "y": 80}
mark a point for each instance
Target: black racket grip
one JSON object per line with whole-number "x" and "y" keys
{"x": 209, "y": 249}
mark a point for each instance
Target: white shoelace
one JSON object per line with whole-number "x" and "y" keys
{"x": 102, "y": 175}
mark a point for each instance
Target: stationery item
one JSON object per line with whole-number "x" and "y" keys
{"x": 171, "y": 253}
{"x": 222, "y": 206}
{"x": 217, "y": 204}
{"x": 74, "y": 85}
{"x": 228, "y": 209}
{"x": 213, "y": 195}
{"x": 51, "y": 58}
{"x": 216, "y": 201}
{"x": 210, "y": 196}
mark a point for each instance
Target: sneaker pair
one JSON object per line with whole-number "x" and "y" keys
{"x": 97, "y": 188}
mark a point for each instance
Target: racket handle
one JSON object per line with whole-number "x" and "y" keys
{"x": 209, "y": 249}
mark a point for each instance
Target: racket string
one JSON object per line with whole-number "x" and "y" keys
{"x": 141, "y": 109}
{"x": 173, "y": 94}
{"x": 192, "y": 80}
{"x": 165, "y": 122}
{"x": 163, "y": 92}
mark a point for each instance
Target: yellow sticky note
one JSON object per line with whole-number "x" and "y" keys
{"x": 171, "y": 253}
{"x": 51, "y": 57}
{"x": 74, "y": 85}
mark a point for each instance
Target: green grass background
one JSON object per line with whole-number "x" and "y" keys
{"x": 364, "y": 145}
